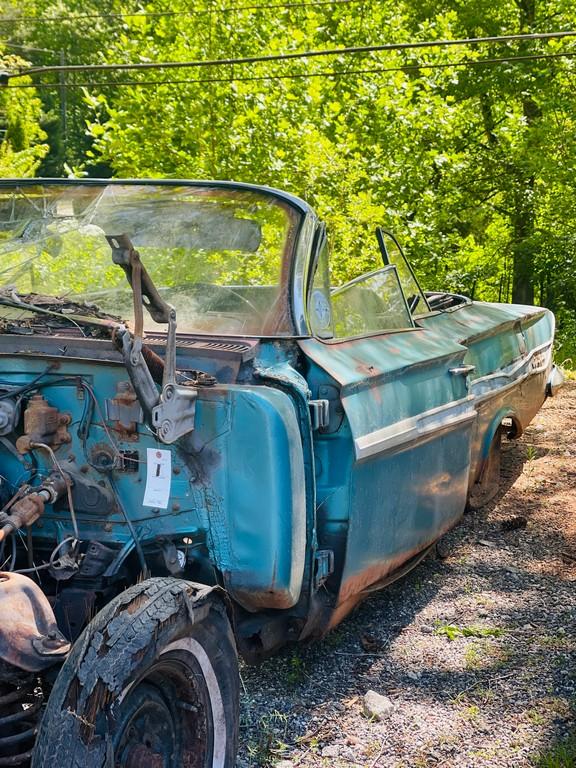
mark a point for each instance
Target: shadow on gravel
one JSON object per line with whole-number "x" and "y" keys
{"x": 291, "y": 702}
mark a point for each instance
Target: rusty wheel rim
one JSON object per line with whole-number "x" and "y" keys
{"x": 162, "y": 721}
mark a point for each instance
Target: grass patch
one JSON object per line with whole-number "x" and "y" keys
{"x": 270, "y": 743}
{"x": 452, "y": 631}
{"x": 536, "y": 717}
{"x": 481, "y": 654}
{"x": 474, "y": 657}
{"x": 562, "y": 755}
{"x": 471, "y": 713}
{"x": 296, "y": 672}
{"x": 559, "y": 642}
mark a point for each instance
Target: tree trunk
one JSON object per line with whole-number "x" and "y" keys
{"x": 523, "y": 216}
{"x": 523, "y": 249}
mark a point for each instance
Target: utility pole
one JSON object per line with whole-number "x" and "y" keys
{"x": 63, "y": 104}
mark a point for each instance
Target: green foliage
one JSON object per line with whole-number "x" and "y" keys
{"x": 21, "y": 150}
{"x": 271, "y": 741}
{"x": 562, "y": 755}
{"x": 471, "y": 167}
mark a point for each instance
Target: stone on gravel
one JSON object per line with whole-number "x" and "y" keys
{"x": 377, "y": 706}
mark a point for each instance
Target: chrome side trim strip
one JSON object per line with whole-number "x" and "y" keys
{"x": 510, "y": 370}
{"x": 537, "y": 361}
{"x": 419, "y": 428}
{"x": 415, "y": 428}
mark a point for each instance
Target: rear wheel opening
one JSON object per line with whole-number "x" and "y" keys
{"x": 488, "y": 484}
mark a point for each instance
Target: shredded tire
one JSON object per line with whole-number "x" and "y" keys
{"x": 135, "y": 631}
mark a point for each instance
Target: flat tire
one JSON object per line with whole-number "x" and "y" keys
{"x": 152, "y": 682}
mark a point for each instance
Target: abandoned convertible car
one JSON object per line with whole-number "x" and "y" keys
{"x": 208, "y": 450}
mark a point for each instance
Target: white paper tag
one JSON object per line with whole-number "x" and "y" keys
{"x": 158, "y": 478}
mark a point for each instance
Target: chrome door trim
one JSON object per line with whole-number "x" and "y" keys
{"x": 415, "y": 429}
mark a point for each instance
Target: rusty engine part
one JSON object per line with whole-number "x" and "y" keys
{"x": 29, "y": 636}
{"x": 43, "y": 424}
{"x": 30, "y": 641}
{"x": 26, "y": 510}
{"x": 125, "y": 411}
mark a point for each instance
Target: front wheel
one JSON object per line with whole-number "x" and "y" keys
{"x": 152, "y": 681}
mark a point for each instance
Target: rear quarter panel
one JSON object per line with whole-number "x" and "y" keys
{"x": 510, "y": 346}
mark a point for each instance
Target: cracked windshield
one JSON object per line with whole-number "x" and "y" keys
{"x": 215, "y": 254}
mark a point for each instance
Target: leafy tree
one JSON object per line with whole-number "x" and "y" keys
{"x": 471, "y": 166}
{"x": 21, "y": 150}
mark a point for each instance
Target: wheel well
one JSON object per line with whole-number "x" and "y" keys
{"x": 512, "y": 426}
{"x": 508, "y": 422}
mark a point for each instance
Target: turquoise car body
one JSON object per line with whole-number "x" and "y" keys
{"x": 321, "y": 465}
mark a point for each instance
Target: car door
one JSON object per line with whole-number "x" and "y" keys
{"x": 392, "y": 460}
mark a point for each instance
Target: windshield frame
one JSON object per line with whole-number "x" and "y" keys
{"x": 295, "y": 259}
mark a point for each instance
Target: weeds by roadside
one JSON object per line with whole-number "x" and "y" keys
{"x": 562, "y": 755}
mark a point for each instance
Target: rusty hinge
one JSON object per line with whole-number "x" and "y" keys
{"x": 319, "y": 413}
{"x": 323, "y": 567}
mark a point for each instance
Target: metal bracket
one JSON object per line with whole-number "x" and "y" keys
{"x": 174, "y": 415}
{"x": 125, "y": 407}
{"x": 319, "y": 413}
{"x": 172, "y": 561}
{"x": 139, "y": 374}
{"x": 324, "y": 566}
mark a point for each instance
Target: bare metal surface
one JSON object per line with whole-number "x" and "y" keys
{"x": 28, "y": 617}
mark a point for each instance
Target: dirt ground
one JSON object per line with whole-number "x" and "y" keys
{"x": 476, "y": 652}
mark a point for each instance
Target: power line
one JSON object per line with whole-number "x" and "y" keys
{"x": 303, "y": 75}
{"x": 26, "y": 47}
{"x": 289, "y": 56}
{"x": 157, "y": 14}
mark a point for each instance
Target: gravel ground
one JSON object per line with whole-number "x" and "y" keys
{"x": 475, "y": 651}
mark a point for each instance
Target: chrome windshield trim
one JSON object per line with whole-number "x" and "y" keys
{"x": 38, "y": 181}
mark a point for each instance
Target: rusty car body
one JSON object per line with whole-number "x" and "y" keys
{"x": 207, "y": 448}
